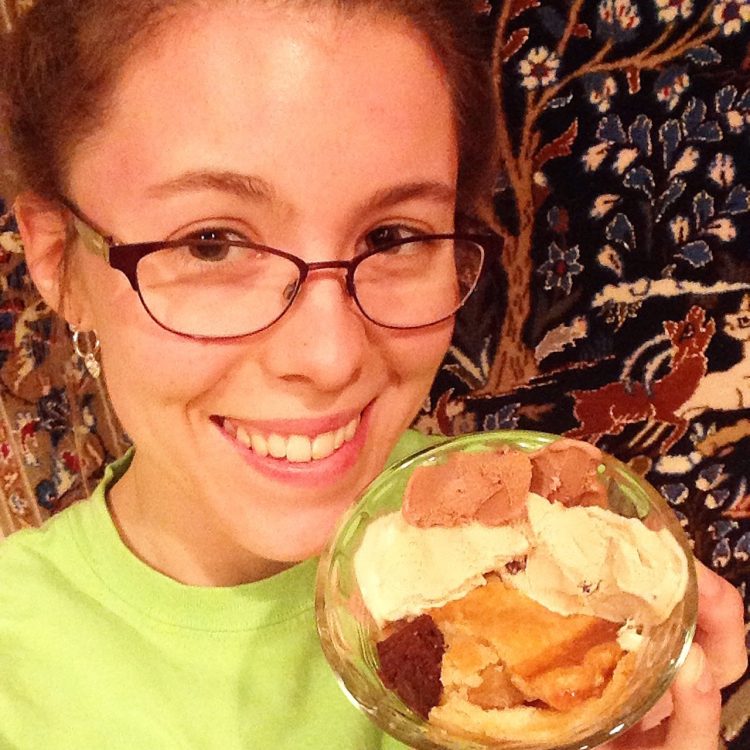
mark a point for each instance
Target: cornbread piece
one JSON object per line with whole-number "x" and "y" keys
{"x": 410, "y": 662}
{"x": 566, "y": 471}
{"x": 567, "y": 686}
{"x": 496, "y": 689}
{"x": 534, "y": 723}
{"x": 489, "y": 487}
{"x": 559, "y": 660}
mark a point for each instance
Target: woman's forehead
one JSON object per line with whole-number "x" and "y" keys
{"x": 258, "y": 92}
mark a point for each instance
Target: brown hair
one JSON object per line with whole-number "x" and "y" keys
{"x": 60, "y": 65}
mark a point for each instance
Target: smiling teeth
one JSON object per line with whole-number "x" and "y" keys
{"x": 297, "y": 448}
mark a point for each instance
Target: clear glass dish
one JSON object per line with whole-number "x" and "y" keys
{"x": 348, "y": 634}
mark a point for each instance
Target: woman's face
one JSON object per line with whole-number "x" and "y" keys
{"x": 304, "y": 133}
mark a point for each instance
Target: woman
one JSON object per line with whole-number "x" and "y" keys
{"x": 168, "y": 611}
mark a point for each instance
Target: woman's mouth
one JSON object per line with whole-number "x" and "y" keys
{"x": 295, "y": 448}
{"x": 305, "y": 452}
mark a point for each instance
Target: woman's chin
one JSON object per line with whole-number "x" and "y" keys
{"x": 295, "y": 545}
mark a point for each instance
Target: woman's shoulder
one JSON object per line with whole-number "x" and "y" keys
{"x": 34, "y": 558}
{"x": 58, "y": 542}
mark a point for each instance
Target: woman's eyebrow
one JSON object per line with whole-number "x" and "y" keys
{"x": 254, "y": 188}
{"x": 431, "y": 190}
{"x": 241, "y": 185}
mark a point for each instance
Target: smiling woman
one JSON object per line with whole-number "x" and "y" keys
{"x": 287, "y": 85}
{"x": 268, "y": 213}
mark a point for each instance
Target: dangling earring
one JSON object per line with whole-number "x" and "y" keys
{"x": 89, "y": 357}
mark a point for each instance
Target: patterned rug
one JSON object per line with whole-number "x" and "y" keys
{"x": 621, "y": 311}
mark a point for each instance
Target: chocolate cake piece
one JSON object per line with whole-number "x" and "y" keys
{"x": 410, "y": 662}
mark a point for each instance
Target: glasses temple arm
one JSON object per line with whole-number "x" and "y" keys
{"x": 93, "y": 239}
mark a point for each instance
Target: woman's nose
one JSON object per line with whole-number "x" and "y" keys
{"x": 322, "y": 338}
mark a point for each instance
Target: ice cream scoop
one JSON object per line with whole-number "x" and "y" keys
{"x": 588, "y": 560}
{"x": 404, "y": 570}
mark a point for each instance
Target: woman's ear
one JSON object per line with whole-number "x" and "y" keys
{"x": 43, "y": 226}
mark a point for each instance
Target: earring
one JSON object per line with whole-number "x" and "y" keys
{"x": 90, "y": 361}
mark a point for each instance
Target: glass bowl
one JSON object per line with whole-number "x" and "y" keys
{"x": 348, "y": 633}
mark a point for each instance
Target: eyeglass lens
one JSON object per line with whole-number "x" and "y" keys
{"x": 218, "y": 289}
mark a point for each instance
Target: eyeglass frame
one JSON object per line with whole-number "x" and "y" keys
{"x": 101, "y": 244}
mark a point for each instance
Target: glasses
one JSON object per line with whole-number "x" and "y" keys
{"x": 226, "y": 289}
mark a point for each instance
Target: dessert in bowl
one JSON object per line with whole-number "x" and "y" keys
{"x": 507, "y": 590}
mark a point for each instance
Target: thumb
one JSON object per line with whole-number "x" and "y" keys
{"x": 694, "y": 724}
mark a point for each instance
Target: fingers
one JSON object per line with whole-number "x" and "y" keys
{"x": 696, "y": 713}
{"x": 721, "y": 630}
{"x": 717, "y": 658}
{"x": 694, "y": 724}
{"x": 658, "y": 713}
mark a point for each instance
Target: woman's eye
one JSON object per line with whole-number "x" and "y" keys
{"x": 212, "y": 244}
{"x": 209, "y": 250}
{"x": 387, "y": 235}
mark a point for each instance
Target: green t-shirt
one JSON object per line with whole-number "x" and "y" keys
{"x": 100, "y": 652}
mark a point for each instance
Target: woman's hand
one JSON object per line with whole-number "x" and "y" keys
{"x": 718, "y": 658}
